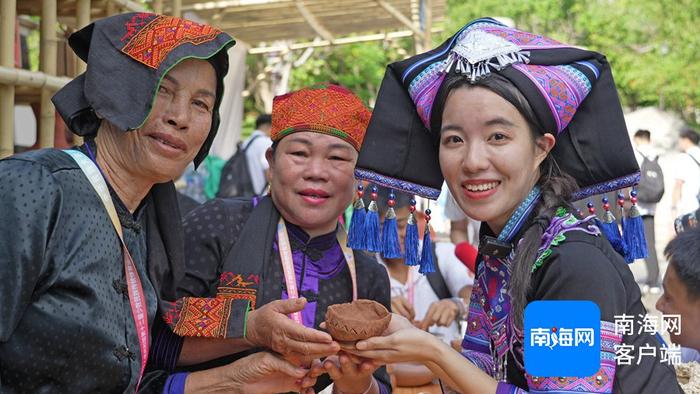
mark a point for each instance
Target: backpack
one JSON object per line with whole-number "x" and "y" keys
{"x": 651, "y": 185}
{"x": 235, "y": 176}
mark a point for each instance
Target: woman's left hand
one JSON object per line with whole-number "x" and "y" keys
{"x": 402, "y": 342}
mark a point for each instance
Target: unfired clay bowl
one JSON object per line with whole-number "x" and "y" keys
{"x": 357, "y": 320}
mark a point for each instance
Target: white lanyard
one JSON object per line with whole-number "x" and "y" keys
{"x": 288, "y": 264}
{"x": 137, "y": 298}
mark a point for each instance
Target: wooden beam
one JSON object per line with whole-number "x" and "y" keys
{"x": 8, "y": 16}
{"x": 400, "y": 17}
{"x": 49, "y": 48}
{"x": 31, "y": 79}
{"x": 313, "y": 22}
{"x": 338, "y": 41}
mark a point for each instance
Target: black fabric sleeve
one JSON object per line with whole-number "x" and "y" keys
{"x": 210, "y": 231}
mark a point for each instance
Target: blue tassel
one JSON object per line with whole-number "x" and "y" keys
{"x": 391, "y": 248}
{"x": 633, "y": 233}
{"x": 373, "y": 243}
{"x": 608, "y": 226}
{"x": 356, "y": 236}
{"x": 411, "y": 241}
{"x": 427, "y": 265}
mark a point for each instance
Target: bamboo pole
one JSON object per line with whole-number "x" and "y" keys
{"x": 83, "y": 11}
{"x": 427, "y": 24}
{"x": 31, "y": 79}
{"x": 177, "y": 8}
{"x": 8, "y": 14}
{"x": 48, "y": 66}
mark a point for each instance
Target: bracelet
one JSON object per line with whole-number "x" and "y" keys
{"x": 462, "y": 309}
{"x": 371, "y": 384}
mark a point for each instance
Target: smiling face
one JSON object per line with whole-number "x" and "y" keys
{"x": 488, "y": 155}
{"x": 176, "y": 128}
{"x": 311, "y": 179}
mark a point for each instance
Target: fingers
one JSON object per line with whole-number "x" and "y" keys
{"x": 286, "y": 306}
{"x": 399, "y": 305}
{"x": 277, "y": 364}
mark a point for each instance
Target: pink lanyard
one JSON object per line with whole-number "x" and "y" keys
{"x": 137, "y": 298}
{"x": 288, "y": 264}
{"x": 411, "y": 293}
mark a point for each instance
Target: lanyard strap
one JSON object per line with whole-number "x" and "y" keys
{"x": 137, "y": 298}
{"x": 288, "y": 264}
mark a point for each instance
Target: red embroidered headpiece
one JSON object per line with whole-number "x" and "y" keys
{"x": 327, "y": 109}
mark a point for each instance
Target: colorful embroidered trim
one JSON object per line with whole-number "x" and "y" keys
{"x": 152, "y": 44}
{"x": 562, "y": 223}
{"x": 397, "y": 184}
{"x": 521, "y": 213}
{"x": 600, "y": 382}
{"x": 608, "y": 186}
{"x": 209, "y": 317}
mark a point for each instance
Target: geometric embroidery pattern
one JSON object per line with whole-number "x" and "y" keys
{"x": 326, "y": 109}
{"x": 152, "y": 44}
{"x": 209, "y": 317}
{"x": 203, "y": 317}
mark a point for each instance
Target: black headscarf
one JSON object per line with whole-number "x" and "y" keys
{"x": 127, "y": 56}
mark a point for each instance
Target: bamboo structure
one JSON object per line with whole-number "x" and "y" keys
{"x": 268, "y": 26}
{"x": 7, "y": 91}
{"x": 47, "y": 123}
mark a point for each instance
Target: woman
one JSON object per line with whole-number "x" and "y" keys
{"x": 247, "y": 255}
{"x": 520, "y": 125}
{"x": 86, "y": 275}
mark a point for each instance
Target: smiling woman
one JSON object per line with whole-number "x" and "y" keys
{"x": 519, "y": 125}
{"x": 250, "y": 260}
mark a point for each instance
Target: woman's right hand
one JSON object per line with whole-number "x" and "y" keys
{"x": 400, "y": 342}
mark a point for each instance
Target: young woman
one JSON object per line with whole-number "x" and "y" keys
{"x": 520, "y": 125}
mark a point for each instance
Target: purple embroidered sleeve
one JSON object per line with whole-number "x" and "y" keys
{"x": 175, "y": 383}
{"x": 601, "y": 382}
{"x": 383, "y": 389}
{"x": 166, "y": 347}
{"x": 507, "y": 388}
{"x": 475, "y": 345}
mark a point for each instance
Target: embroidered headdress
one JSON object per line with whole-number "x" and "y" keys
{"x": 328, "y": 109}
{"x": 127, "y": 56}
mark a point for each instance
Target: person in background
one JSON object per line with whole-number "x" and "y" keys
{"x": 435, "y": 302}
{"x": 256, "y": 145}
{"x": 687, "y": 185}
{"x": 644, "y": 154}
{"x": 682, "y": 288}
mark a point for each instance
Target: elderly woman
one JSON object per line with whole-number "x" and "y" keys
{"x": 248, "y": 256}
{"x": 91, "y": 248}
{"x": 520, "y": 125}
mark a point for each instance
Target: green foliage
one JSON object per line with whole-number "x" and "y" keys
{"x": 359, "y": 67}
{"x": 653, "y": 47}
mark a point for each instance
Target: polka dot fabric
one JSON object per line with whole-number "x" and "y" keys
{"x": 66, "y": 321}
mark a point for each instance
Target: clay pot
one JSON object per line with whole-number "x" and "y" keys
{"x": 357, "y": 320}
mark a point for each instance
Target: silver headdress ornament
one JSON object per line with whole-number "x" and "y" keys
{"x": 478, "y": 51}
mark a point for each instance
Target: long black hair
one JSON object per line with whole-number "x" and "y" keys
{"x": 556, "y": 186}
